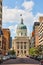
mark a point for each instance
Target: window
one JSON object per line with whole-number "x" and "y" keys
{"x": 17, "y": 53}
{"x": 0, "y": 43}
{"x": 21, "y": 47}
{"x": 17, "y": 46}
{"x": 25, "y": 52}
{"x": 0, "y": 16}
{"x": 24, "y": 45}
{"x": 21, "y": 51}
{"x": 0, "y": 22}
{"x": 0, "y": 28}
{"x": 0, "y": 32}
{"x": 21, "y": 34}
{"x": 1, "y": 11}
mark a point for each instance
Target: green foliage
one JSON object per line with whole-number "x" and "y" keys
{"x": 40, "y": 49}
{"x": 12, "y": 52}
{"x": 35, "y": 51}
{"x": 32, "y": 51}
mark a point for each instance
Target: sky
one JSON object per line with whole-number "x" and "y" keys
{"x": 30, "y": 10}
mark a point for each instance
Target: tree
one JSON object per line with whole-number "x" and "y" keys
{"x": 40, "y": 49}
{"x": 32, "y": 51}
{"x": 35, "y": 51}
{"x": 12, "y": 52}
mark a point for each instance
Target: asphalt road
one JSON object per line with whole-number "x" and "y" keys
{"x": 21, "y": 61}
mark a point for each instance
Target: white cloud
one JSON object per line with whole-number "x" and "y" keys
{"x": 28, "y": 5}
{"x": 12, "y": 27}
{"x": 36, "y": 18}
{"x": 13, "y": 30}
{"x": 13, "y": 15}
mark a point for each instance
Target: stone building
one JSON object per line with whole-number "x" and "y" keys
{"x": 21, "y": 41}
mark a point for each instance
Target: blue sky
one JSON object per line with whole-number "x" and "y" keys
{"x": 31, "y": 10}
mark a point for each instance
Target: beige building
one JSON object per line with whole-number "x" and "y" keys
{"x": 40, "y": 30}
{"x": 0, "y": 26}
{"x": 21, "y": 41}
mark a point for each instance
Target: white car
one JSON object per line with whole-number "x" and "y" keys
{"x": 13, "y": 56}
{"x": 8, "y": 57}
{"x": 4, "y": 58}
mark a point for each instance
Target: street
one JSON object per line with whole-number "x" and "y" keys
{"x": 21, "y": 61}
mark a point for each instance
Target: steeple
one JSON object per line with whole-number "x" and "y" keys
{"x": 21, "y": 19}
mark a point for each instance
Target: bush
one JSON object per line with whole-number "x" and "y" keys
{"x": 12, "y": 52}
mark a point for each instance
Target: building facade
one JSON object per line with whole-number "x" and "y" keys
{"x": 3, "y": 45}
{"x": 10, "y": 42}
{"x": 32, "y": 44}
{"x": 21, "y": 41}
{"x": 0, "y": 26}
{"x": 40, "y": 30}
{"x": 36, "y": 37}
{"x": 6, "y": 40}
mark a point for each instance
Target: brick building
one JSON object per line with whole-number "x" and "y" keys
{"x": 36, "y": 37}
{"x": 6, "y": 40}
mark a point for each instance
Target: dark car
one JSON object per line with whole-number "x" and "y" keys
{"x": 32, "y": 57}
{"x": 40, "y": 57}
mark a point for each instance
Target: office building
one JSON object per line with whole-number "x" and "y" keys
{"x": 36, "y": 37}
{"x": 40, "y": 30}
{"x": 0, "y": 26}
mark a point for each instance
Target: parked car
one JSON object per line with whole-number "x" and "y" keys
{"x": 6, "y": 57}
{"x": 32, "y": 57}
{"x": 13, "y": 56}
{"x": 41, "y": 62}
{"x": 40, "y": 57}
